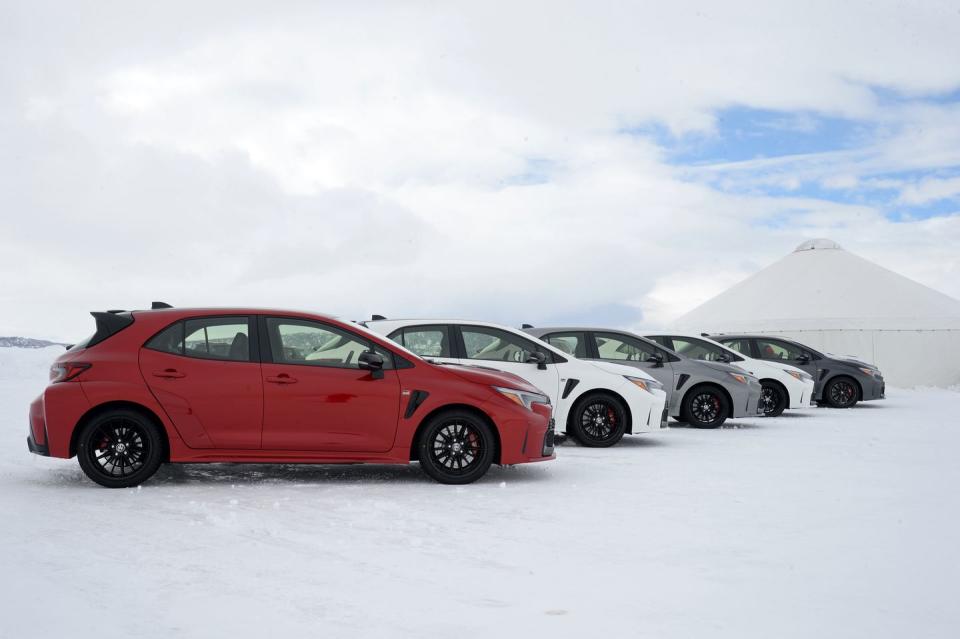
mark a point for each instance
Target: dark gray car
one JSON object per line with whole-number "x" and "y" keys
{"x": 839, "y": 381}
{"x": 703, "y": 394}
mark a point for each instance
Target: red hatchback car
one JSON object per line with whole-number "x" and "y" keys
{"x": 267, "y": 386}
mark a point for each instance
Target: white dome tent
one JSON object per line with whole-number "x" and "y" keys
{"x": 834, "y": 301}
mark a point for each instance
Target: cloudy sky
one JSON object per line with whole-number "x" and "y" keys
{"x": 522, "y": 162}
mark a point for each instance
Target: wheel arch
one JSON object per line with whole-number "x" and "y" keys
{"x": 414, "y": 443}
{"x": 711, "y": 384}
{"x": 847, "y": 376}
{"x": 780, "y": 385}
{"x": 105, "y": 407}
{"x": 575, "y": 404}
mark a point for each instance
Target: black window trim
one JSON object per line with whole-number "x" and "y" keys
{"x": 253, "y": 356}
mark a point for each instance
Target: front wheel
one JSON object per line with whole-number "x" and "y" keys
{"x": 598, "y": 421}
{"x": 841, "y": 392}
{"x": 773, "y": 399}
{"x": 456, "y": 447}
{"x": 705, "y": 407}
{"x": 120, "y": 449}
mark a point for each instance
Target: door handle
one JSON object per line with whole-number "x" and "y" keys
{"x": 170, "y": 373}
{"x": 282, "y": 378}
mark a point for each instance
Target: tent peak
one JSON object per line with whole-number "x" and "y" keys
{"x": 819, "y": 243}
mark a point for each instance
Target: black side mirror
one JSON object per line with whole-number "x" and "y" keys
{"x": 538, "y": 358}
{"x": 804, "y": 359}
{"x": 373, "y": 362}
{"x": 656, "y": 360}
{"x": 723, "y": 357}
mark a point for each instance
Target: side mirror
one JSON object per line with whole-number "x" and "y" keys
{"x": 804, "y": 359}
{"x": 373, "y": 362}
{"x": 723, "y": 357}
{"x": 656, "y": 360}
{"x": 539, "y": 359}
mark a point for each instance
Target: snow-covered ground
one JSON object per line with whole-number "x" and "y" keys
{"x": 816, "y": 524}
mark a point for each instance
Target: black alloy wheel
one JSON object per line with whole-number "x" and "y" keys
{"x": 773, "y": 399}
{"x": 119, "y": 449}
{"x": 456, "y": 448}
{"x": 599, "y": 421}
{"x": 841, "y": 392}
{"x": 705, "y": 407}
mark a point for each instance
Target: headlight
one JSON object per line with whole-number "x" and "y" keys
{"x": 801, "y": 376}
{"x": 737, "y": 376}
{"x": 872, "y": 372}
{"x": 648, "y": 385}
{"x": 523, "y": 398}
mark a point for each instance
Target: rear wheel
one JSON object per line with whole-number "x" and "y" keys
{"x": 841, "y": 392}
{"x": 120, "y": 449}
{"x": 456, "y": 447}
{"x": 599, "y": 420}
{"x": 773, "y": 398}
{"x": 705, "y": 407}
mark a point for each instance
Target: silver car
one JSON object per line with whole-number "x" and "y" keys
{"x": 703, "y": 394}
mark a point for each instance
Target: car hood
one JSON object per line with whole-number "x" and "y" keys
{"x": 719, "y": 366}
{"x": 488, "y": 376}
{"x": 619, "y": 369}
{"x": 853, "y": 361}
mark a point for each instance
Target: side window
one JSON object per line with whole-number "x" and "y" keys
{"x": 425, "y": 341}
{"x": 169, "y": 340}
{"x": 698, "y": 349}
{"x": 225, "y": 338}
{"x": 492, "y": 344}
{"x": 294, "y": 341}
{"x": 621, "y": 347}
{"x": 571, "y": 343}
{"x": 774, "y": 349}
{"x": 742, "y": 346}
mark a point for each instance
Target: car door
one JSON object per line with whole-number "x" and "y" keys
{"x": 775, "y": 350}
{"x": 506, "y": 351}
{"x": 204, "y": 374}
{"x": 625, "y": 349}
{"x": 315, "y": 395}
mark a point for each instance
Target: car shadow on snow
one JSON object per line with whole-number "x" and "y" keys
{"x": 218, "y": 474}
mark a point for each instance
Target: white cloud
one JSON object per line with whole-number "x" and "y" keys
{"x": 930, "y": 190}
{"x": 446, "y": 159}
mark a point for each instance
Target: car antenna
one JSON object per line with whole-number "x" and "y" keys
{"x": 156, "y": 305}
{"x": 526, "y": 326}
{"x": 375, "y": 318}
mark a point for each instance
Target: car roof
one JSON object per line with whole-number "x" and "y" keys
{"x": 540, "y": 331}
{"x": 236, "y": 310}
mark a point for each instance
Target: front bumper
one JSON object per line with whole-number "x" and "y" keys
{"x": 746, "y": 399}
{"x": 876, "y": 388}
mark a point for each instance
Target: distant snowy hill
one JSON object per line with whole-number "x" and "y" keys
{"x": 26, "y": 342}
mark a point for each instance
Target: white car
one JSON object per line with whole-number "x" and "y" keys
{"x": 594, "y": 402}
{"x": 784, "y": 386}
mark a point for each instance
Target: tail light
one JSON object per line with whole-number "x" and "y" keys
{"x": 66, "y": 371}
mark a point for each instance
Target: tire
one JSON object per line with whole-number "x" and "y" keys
{"x": 773, "y": 398}
{"x": 599, "y": 420}
{"x": 120, "y": 448}
{"x": 456, "y": 447}
{"x": 705, "y": 407}
{"x": 841, "y": 392}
